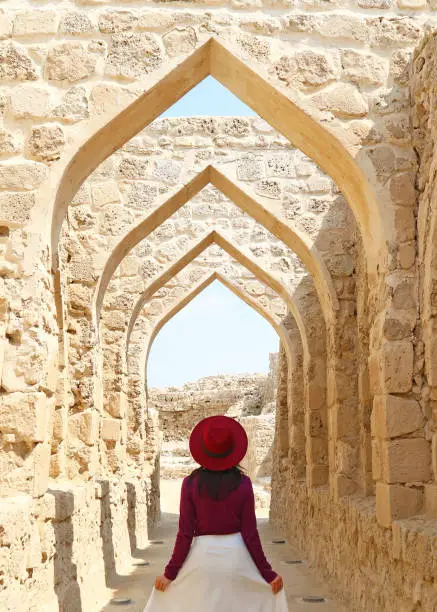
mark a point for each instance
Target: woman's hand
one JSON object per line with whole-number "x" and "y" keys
{"x": 161, "y": 583}
{"x": 277, "y": 585}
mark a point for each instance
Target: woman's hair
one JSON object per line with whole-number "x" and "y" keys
{"x": 217, "y": 484}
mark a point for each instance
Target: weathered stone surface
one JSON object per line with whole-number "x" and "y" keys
{"x": 73, "y": 107}
{"x": 309, "y": 68}
{"x": 180, "y": 41}
{"x": 396, "y": 416}
{"x": 395, "y": 502}
{"x": 85, "y": 426}
{"x": 27, "y": 175}
{"x": 71, "y": 61}
{"x": 132, "y": 55}
{"x": 29, "y": 23}
{"x": 47, "y": 142}
{"x": 25, "y": 415}
{"x": 111, "y": 429}
{"x": 363, "y": 69}
{"x": 406, "y": 460}
{"x": 15, "y": 64}
{"x": 29, "y": 101}
{"x": 117, "y": 21}
{"x": 9, "y": 143}
{"x": 76, "y": 23}
{"x": 16, "y": 208}
{"x": 397, "y": 366}
{"x": 342, "y": 100}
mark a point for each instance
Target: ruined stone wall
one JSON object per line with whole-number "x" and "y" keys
{"x": 64, "y": 550}
{"x": 383, "y": 568}
{"x": 180, "y": 409}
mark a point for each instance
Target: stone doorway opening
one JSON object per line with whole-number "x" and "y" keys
{"x": 250, "y": 398}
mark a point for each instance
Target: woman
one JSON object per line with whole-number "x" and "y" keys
{"x": 225, "y": 569}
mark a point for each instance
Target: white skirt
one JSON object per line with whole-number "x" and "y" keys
{"x": 218, "y": 575}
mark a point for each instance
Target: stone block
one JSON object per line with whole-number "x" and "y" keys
{"x": 394, "y": 416}
{"x": 132, "y": 55}
{"x": 363, "y": 68}
{"x": 15, "y": 515}
{"x": 405, "y": 223}
{"x": 394, "y": 501}
{"x": 10, "y": 143}
{"x": 84, "y": 426}
{"x": 76, "y": 23}
{"x": 397, "y": 366}
{"x": 376, "y": 460}
{"x": 60, "y": 423}
{"x": 347, "y": 457}
{"x": 41, "y": 459}
{"x": 317, "y": 475}
{"x": 105, "y": 193}
{"x": 28, "y": 101}
{"x": 73, "y": 106}
{"x": 342, "y": 485}
{"x": 317, "y": 450}
{"x": 343, "y": 100}
{"x": 16, "y": 208}
{"x": 26, "y": 175}
{"x": 46, "y": 142}
{"x": 29, "y": 23}
{"x": 430, "y": 500}
{"x": 250, "y": 168}
{"x": 111, "y": 429}
{"x": 71, "y": 61}
{"x": 180, "y": 41}
{"x": 117, "y": 21}
{"x": 26, "y": 415}
{"x": 402, "y": 189}
{"x": 406, "y": 460}
{"x": 343, "y": 421}
{"x": 15, "y": 64}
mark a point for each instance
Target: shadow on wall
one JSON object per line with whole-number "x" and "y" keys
{"x": 106, "y": 533}
{"x": 131, "y": 516}
{"x": 66, "y": 586}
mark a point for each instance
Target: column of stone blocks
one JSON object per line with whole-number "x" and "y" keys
{"x": 425, "y": 142}
{"x": 295, "y": 396}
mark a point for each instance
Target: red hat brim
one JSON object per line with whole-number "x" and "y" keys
{"x": 219, "y": 463}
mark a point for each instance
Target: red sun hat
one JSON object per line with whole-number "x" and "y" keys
{"x": 218, "y": 443}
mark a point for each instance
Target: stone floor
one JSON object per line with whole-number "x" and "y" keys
{"x": 300, "y": 580}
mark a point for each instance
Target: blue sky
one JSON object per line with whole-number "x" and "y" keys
{"x": 217, "y": 333}
{"x": 209, "y": 98}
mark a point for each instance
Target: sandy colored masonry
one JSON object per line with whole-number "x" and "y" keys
{"x": 319, "y": 213}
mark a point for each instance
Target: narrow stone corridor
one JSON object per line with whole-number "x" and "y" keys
{"x": 300, "y": 580}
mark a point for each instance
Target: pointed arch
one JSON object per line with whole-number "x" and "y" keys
{"x": 232, "y": 250}
{"x": 293, "y": 238}
{"x": 282, "y": 113}
{"x": 278, "y": 327}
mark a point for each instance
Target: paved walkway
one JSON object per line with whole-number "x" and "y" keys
{"x": 300, "y": 580}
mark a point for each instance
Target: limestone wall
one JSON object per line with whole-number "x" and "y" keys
{"x": 180, "y": 409}
{"x": 378, "y": 568}
{"x": 81, "y": 81}
{"x": 64, "y": 550}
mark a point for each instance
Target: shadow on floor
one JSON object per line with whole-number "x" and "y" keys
{"x": 139, "y": 584}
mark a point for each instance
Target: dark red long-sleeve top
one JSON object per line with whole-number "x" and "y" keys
{"x": 205, "y": 516}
